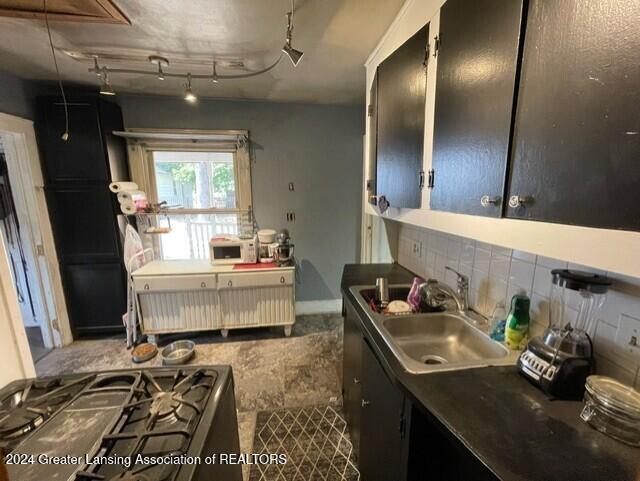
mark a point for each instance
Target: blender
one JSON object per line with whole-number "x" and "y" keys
{"x": 560, "y": 360}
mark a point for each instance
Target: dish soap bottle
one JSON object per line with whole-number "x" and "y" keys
{"x": 516, "y": 329}
{"x": 497, "y": 322}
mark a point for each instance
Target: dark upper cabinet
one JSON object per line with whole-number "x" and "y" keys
{"x": 84, "y": 156}
{"x": 400, "y": 120}
{"x": 577, "y": 128}
{"x": 372, "y": 116}
{"x": 476, "y": 78}
{"x": 382, "y": 439}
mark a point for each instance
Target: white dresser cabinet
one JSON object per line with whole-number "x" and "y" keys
{"x": 186, "y": 296}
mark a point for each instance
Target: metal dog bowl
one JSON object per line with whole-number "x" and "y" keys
{"x": 178, "y": 352}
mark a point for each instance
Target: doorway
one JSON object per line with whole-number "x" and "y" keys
{"x": 21, "y": 263}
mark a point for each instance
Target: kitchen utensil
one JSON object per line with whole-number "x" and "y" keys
{"x": 144, "y": 352}
{"x": 560, "y": 361}
{"x": 178, "y": 352}
{"x": 382, "y": 292}
{"x": 613, "y": 409}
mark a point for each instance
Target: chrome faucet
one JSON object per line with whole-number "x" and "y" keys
{"x": 436, "y": 294}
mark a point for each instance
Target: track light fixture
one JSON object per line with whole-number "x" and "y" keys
{"x": 189, "y": 96}
{"x": 294, "y": 55}
{"x": 161, "y": 63}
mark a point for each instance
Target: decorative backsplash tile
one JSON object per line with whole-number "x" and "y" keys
{"x": 497, "y": 273}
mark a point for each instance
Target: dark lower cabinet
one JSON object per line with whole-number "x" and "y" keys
{"x": 436, "y": 455}
{"x": 383, "y": 424}
{"x": 95, "y": 297}
{"x": 476, "y": 79}
{"x": 352, "y": 375}
{"x": 577, "y": 128}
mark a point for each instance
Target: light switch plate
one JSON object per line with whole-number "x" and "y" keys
{"x": 628, "y": 336}
{"x": 416, "y": 249}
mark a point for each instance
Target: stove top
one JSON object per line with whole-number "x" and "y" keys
{"x": 25, "y": 405}
{"x": 135, "y": 425}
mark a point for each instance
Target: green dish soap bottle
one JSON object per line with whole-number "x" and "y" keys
{"x": 516, "y": 331}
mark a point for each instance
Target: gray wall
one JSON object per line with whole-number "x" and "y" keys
{"x": 17, "y": 95}
{"x": 318, "y": 147}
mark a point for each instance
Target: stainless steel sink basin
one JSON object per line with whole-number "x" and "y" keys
{"x": 439, "y": 341}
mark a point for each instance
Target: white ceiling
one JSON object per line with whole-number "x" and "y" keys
{"x": 336, "y": 35}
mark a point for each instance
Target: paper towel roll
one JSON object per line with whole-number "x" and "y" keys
{"x": 131, "y": 196}
{"x": 120, "y": 186}
{"x": 128, "y": 208}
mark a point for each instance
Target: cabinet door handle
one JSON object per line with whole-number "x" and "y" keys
{"x": 203, "y": 285}
{"x": 516, "y": 201}
{"x": 488, "y": 201}
{"x": 282, "y": 280}
{"x": 365, "y": 403}
{"x": 230, "y": 283}
{"x": 146, "y": 287}
{"x": 356, "y": 380}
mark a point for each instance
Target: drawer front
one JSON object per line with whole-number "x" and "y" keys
{"x": 258, "y": 306}
{"x": 174, "y": 283}
{"x": 194, "y": 310}
{"x": 255, "y": 279}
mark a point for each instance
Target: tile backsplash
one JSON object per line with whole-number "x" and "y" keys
{"x": 497, "y": 273}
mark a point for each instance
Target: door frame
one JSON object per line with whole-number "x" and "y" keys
{"x": 23, "y": 163}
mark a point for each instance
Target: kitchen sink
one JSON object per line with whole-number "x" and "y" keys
{"x": 436, "y": 341}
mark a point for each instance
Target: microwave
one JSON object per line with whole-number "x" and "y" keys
{"x": 233, "y": 250}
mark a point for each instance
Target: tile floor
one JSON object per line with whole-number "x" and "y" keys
{"x": 271, "y": 372}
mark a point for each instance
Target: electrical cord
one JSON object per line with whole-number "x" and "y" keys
{"x": 65, "y": 135}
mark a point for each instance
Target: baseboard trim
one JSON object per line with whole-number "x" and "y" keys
{"x": 318, "y": 307}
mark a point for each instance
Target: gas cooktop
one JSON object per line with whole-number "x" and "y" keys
{"x": 136, "y": 425}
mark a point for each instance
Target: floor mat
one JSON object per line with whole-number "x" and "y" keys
{"x": 315, "y": 440}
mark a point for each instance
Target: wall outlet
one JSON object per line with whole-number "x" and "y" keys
{"x": 628, "y": 336}
{"x": 416, "y": 249}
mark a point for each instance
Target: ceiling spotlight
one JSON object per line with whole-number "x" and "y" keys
{"x": 160, "y": 62}
{"x": 294, "y": 55}
{"x": 214, "y": 75}
{"x": 189, "y": 96}
{"x": 105, "y": 88}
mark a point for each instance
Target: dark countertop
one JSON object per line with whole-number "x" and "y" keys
{"x": 512, "y": 427}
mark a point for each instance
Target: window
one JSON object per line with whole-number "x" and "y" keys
{"x": 195, "y": 180}
{"x": 205, "y": 184}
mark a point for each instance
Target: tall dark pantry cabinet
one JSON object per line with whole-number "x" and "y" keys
{"x": 82, "y": 210}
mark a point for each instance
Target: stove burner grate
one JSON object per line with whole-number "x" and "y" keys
{"x": 27, "y": 408}
{"x": 159, "y": 422}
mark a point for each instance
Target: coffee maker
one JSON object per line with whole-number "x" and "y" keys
{"x": 560, "y": 360}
